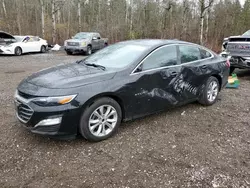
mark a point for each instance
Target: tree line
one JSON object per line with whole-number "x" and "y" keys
{"x": 205, "y": 22}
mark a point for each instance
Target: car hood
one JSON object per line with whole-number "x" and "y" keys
{"x": 69, "y": 76}
{"x": 77, "y": 40}
{"x": 5, "y": 35}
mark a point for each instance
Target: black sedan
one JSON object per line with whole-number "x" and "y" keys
{"x": 122, "y": 82}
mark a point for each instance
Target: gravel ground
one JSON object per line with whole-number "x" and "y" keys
{"x": 191, "y": 146}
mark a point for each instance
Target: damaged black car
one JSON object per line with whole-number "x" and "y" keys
{"x": 121, "y": 82}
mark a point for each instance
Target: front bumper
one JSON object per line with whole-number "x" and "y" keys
{"x": 6, "y": 51}
{"x": 35, "y": 118}
{"x": 75, "y": 48}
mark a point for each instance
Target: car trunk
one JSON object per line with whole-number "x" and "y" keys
{"x": 239, "y": 46}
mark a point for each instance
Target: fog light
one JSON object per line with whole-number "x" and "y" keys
{"x": 49, "y": 122}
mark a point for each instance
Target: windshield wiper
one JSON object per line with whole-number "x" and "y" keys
{"x": 95, "y": 65}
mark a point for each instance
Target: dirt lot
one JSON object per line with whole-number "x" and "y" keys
{"x": 192, "y": 146}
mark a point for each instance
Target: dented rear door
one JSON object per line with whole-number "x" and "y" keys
{"x": 196, "y": 67}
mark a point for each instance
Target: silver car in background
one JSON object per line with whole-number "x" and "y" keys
{"x": 85, "y": 42}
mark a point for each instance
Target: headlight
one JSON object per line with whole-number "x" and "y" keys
{"x": 84, "y": 43}
{"x": 8, "y": 46}
{"x": 53, "y": 101}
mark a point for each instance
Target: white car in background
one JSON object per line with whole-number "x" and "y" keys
{"x": 18, "y": 45}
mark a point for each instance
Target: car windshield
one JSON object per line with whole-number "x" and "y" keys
{"x": 247, "y": 33}
{"x": 82, "y": 36}
{"x": 116, "y": 56}
{"x": 19, "y": 39}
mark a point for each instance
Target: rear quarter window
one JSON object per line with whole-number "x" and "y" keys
{"x": 205, "y": 54}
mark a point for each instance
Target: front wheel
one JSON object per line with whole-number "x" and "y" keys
{"x": 100, "y": 120}
{"x": 210, "y": 93}
{"x": 89, "y": 50}
{"x": 18, "y": 51}
{"x": 69, "y": 52}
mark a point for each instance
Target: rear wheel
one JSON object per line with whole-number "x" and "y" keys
{"x": 231, "y": 70}
{"x": 18, "y": 51}
{"x": 100, "y": 120}
{"x": 210, "y": 92}
{"x": 43, "y": 49}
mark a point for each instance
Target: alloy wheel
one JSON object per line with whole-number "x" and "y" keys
{"x": 103, "y": 120}
{"x": 212, "y": 91}
{"x": 89, "y": 50}
{"x": 43, "y": 49}
{"x": 18, "y": 51}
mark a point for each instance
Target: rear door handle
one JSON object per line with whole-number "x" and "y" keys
{"x": 174, "y": 74}
{"x": 204, "y": 66}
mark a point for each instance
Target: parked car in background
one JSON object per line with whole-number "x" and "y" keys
{"x": 18, "y": 45}
{"x": 123, "y": 81}
{"x": 237, "y": 49}
{"x": 85, "y": 42}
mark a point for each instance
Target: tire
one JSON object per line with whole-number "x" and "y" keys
{"x": 18, "y": 51}
{"x": 89, "y": 50}
{"x": 207, "y": 99}
{"x": 231, "y": 70}
{"x": 43, "y": 49}
{"x": 69, "y": 53}
{"x": 99, "y": 124}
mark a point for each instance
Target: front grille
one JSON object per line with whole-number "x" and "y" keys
{"x": 239, "y": 39}
{"x": 25, "y": 95}
{"x": 73, "y": 43}
{"x": 24, "y": 112}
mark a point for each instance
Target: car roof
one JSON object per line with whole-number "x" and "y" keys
{"x": 155, "y": 42}
{"x": 88, "y": 33}
{"x": 23, "y": 36}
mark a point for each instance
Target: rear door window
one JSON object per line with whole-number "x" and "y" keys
{"x": 189, "y": 53}
{"x": 205, "y": 54}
